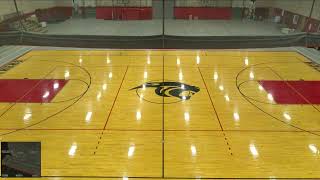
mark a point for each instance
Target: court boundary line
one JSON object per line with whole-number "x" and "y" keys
{"x": 168, "y": 130}
{"x": 56, "y": 49}
{"x": 160, "y": 67}
{"x": 187, "y": 55}
{"x": 109, "y": 115}
{"x": 156, "y": 177}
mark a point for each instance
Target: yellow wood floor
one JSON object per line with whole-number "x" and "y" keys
{"x": 97, "y": 127}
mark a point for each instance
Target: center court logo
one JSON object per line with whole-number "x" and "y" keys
{"x": 171, "y": 91}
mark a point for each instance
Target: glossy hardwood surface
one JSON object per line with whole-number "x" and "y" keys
{"x": 231, "y": 128}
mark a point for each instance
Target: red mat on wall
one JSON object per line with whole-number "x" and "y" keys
{"x": 124, "y": 13}
{"x": 30, "y": 90}
{"x": 224, "y": 13}
{"x": 293, "y": 92}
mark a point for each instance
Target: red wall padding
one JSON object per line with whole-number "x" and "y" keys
{"x": 61, "y": 11}
{"x": 203, "y": 12}
{"x": 124, "y": 13}
{"x": 54, "y": 14}
{"x": 67, "y": 11}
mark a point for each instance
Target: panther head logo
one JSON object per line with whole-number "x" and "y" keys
{"x": 178, "y": 90}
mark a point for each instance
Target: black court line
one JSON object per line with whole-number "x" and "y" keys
{"x": 61, "y": 101}
{"x": 74, "y": 97}
{"x": 159, "y": 55}
{"x": 252, "y": 98}
{"x": 160, "y": 130}
{"x": 32, "y": 88}
{"x": 163, "y": 125}
{"x": 215, "y": 130}
{"x": 160, "y": 66}
{"x": 240, "y": 84}
{"x": 259, "y": 108}
{"x": 108, "y": 117}
{"x": 155, "y": 177}
{"x": 58, "y": 112}
{"x": 216, "y": 113}
{"x": 171, "y": 66}
{"x": 290, "y": 86}
{"x": 22, "y": 61}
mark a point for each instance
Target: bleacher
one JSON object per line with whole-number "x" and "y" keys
{"x": 28, "y": 22}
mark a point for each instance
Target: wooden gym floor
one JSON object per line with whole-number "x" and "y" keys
{"x": 165, "y": 114}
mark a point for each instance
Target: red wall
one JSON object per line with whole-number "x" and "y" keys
{"x": 66, "y": 11}
{"x": 54, "y": 14}
{"x": 203, "y": 12}
{"x": 124, "y": 13}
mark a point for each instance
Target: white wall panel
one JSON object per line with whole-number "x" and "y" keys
{"x": 6, "y": 7}
{"x": 30, "y": 5}
{"x": 259, "y": 3}
{"x": 296, "y": 6}
{"x": 128, "y": 3}
{"x": 203, "y": 3}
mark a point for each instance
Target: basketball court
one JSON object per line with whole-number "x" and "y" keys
{"x": 165, "y": 114}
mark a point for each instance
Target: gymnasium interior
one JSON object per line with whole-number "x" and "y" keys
{"x": 159, "y": 89}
